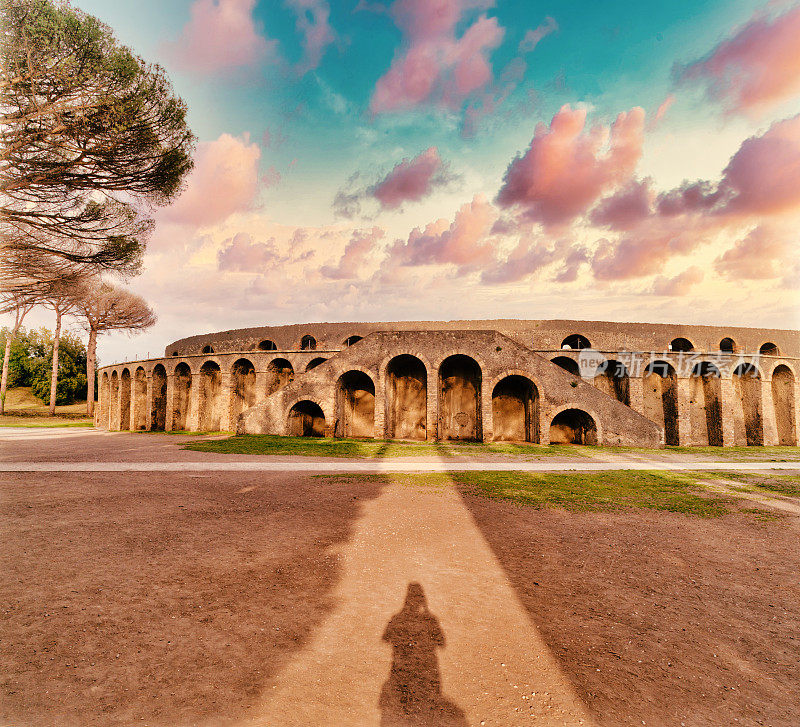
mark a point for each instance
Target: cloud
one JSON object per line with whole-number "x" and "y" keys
{"x": 312, "y": 23}
{"x": 411, "y": 180}
{"x": 661, "y": 112}
{"x": 220, "y": 36}
{"x": 567, "y": 167}
{"x": 754, "y": 69}
{"x": 533, "y": 37}
{"x": 764, "y": 253}
{"x": 224, "y": 181}
{"x": 241, "y": 254}
{"x": 679, "y": 285}
{"x": 627, "y": 207}
{"x": 351, "y": 265}
{"x": 435, "y": 67}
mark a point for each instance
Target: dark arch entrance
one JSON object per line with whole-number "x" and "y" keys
{"x": 406, "y": 398}
{"x": 573, "y": 426}
{"x": 210, "y": 397}
{"x": 279, "y": 374}
{"x": 661, "y": 398}
{"x": 568, "y": 364}
{"x": 125, "y": 400}
{"x": 314, "y": 362}
{"x": 747, "y": 423}
{"x": 158, "y": 420}
{"x": 181, "y": 396}
{"x": 139, "y": 419}
{"x": 243, "y": 388}
{"x": 460, "y": 398}
{"x": 612, "y": 378}
{"x": 783, "y": 399}
{"x": 706, "y": 405}
{"x": 576, "y": 341}
{"x": 355, "y": 405}
{"x": 306, "y": 419}
{"x": 515, "y": 410}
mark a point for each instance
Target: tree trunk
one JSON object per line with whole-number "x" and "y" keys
{"x": 91, "y": 357}
{"x": 4, "y": 379}
{"x": 54, "y": 375}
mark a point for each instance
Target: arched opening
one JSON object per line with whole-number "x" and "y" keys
{"x": 681, "y": 344}
{"x": 208, "y": 349}
{"x": 139, "y": 422}
{"x": 351, "y": 340}
{"x": 175, "y": 353}
{"x": 783, "y": 400}
{"x": 515, "y": 410}
{"x": 573, "y": 426}
{"x": 705, "y": 402}
{"x": 181, "y": 395}
{"x": 308, "y": 343}
{"x": 576, "y": 341}
{"x": 747, "y": 422}
{"x": 158, "y": 420}
{"x": 105, "y": 393}
{"x": 612, "y": 378}
{"x": 113, "y": 402}
{"x": 314, "y": 362}
{"x": 243, "y": 388}
{"x": 568, "y": 364}
{"x": 406, "y": 398}
{"x": 125, "y": 400}
{"x": 210, "y": 400}
{"x": 769, "y": 349}
{"x": 267, "y": 345}
{"x": 355, "y": 405}
{"x": 727, "y": 345}
{"x": 306, "y": 419}
{"x": 661, "y": 398}
{"x": 279, "y": 374}
{"x": 460, "y": 398}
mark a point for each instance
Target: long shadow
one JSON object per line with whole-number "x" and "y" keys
{"x": 412, "y": 695}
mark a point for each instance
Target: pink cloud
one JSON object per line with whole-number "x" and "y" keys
{"x": 661, "y": 112}
{"x": 756, "y": 68}
{"x": 679, "y": 285}
{"x": 567, "y": 167}
{"x": 224, "y": 181}
{"x": 241, "y": 254}
{"x": 312, "y": 22}
{"x": 762, "y": 254}
{"x": 434, "y": 66}
{"x": 534, "y": 36}
{"x": 410, "y": 180}
{"x": 220, "y": 36}
{"x": 351, "y": 265}
{"x": 625, "y": 208}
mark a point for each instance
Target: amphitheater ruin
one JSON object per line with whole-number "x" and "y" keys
{"x": 581, "y": 382}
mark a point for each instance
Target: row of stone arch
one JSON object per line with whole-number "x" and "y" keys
{"x": 576, "y": 341}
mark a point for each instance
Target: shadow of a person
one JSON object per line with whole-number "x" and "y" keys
{"x": 412, "y": 696}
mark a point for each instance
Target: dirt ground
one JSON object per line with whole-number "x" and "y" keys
{"x": 176, "y": 599}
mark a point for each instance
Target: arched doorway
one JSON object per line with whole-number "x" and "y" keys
{"x": 406, "y": 398}
{"x": 243, "y": 388}
{"x": 612, "y": 378}
{"x": 573, "y": 426}
{"x": 681, "y": 344}
{"x": 661, "y": 398}
{"x": 308, "y": 343}
{"x": 568, "y": 364}
{"x": 158, "y": 421}
{"x": 460, "y": 399}
{"x": 125, "y": 400}
{"x": 706, "y": 405}
{"x": 181, "y": 396}
{"x": 355, "y": 405}
{"x": 576, "y": 341}
{"x": 279, "y": 374}
{"x": 783, "y": 400}
{"x": 113, "y": 402}
{"x": 314, "y": 362}
{"x": 210, "y": 399}
{"x": 306, "y": 419}
{"x": 139, "y": 422}
{"x": 747, "y": 422}
{"x": 515, "y": 410}
{"x": 105, "y": 394}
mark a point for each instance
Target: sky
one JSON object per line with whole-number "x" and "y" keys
{"x": 445, "y": 159}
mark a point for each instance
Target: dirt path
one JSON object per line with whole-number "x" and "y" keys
{"x": 732, "y": 487}
{"x": 427, "y": 619}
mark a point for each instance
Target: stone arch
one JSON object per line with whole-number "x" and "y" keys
{"x": 139, "y": 419}
{"x": 705, "y": 402}
{"x": 569, "y": 365}
{"x": 314, "y": 362}
{"x": 243, "y": 388}
{"x": 210, "y": 397}
{"x": 406, "y": 398}
{"x": 460, "y": 398}
{"x": 181, "y": 395}
{"x": 573, "y": 426}
{"x": 158, "y": 417}
{"x": 125, "y": 400}
{"x": 267, "y": 345}
{"x": 784, "y": 402}
{"x": 748, "y": 420}
{"x": 681, "y": 344}
{"x": 105, "y": 395}
{"x": 728, "y": 345}
{"x": 113, "y": 402}
{"x": 279, "y": 374}
{"x": 308, "y": 343}
{"x": 612, "y": 378}
{"x": 769, "y": 349}
{"x": 207, "y": 349}
{"x": 661, "y": 398}
{"x": 355, "y": 405}
{"x": 306, "y": 419}
{"x": 575, "y": 341}
{"x": 350, "y": 340}
{"x": 515, "y": 409}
